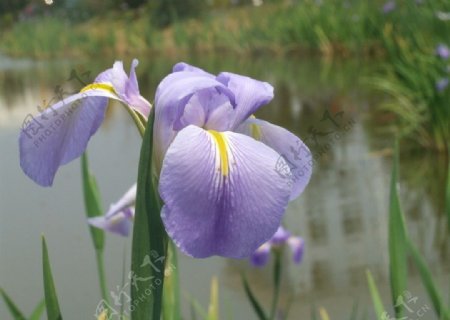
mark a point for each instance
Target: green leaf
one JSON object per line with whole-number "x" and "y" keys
{"x": 38, "y": 311}
{"x": 92, "y": 202}
{"x": 254, "y": 302}
{"x": 93, "y": 208}
{"x": 51, "y": 299}
{"x": 447, "y": 196}
{"x": 429, "y": 284}
{"x": 13, "y": 309}
{"x": 213, "y": 310}
{"x": 376, "y": 299}
{"x": 397, "y": 242}
{"x": 171, "y": 294}
{"x": 149, "y": 238}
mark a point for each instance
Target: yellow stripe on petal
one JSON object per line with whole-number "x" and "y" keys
{"x": 99, "y": 86}
{"x": 222, "y": 145}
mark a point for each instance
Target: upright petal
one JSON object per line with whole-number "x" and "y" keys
{"x": 183, "y": 66}
{"x": 290, "y": 147}
{"x": 222, "y": 195}
{"x": 250, "y": 94}
{"x": 280, "y": 237}
{"x": 125, "y": 87}
{"x": 297, "y": 246}
{"x": 60, "y": 133}
{"x": 132, "y": 94}
{"x": 172, "y": 97}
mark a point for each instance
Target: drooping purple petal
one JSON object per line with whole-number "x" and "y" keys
{"x": 280, "y": 237}
{"x": 221, "y": 194}
{"x": 290, "y": 147}
{"x": 261, "y": 256}
{"x": 250, "y": 94}
{"x": 119, "y": 223}
{"x": 297, "y": 246}
{"x": 60, "y": 134}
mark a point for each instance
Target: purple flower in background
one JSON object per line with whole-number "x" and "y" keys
{"x": 282, "y": 237}
{"x": 120, "y": 215}
{"x": 61, "y": 132}
{"x": 222, "y": 193}
{"x": 389, "y": 6}
{"x": 442, "y": 84}
{"x": 442, "y": 51}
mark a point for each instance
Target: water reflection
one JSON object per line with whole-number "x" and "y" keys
{"x": 342, "y": 214}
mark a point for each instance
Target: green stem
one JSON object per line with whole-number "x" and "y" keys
{"x": 136, "y": 119}
{"x": 276, "y": 281}
{"x": 101, "y": 274}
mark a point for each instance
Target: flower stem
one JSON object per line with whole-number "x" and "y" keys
{"x": 138, "y": 121}
{"x": 276, "y": 282}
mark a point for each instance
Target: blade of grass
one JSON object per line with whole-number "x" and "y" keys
{"x": 447, "y": 197}
{"x": 149, "y": 237}
{"x": 51, "y": 298}
{"x": 93, "y": 208}
{"x": 323, "y": 314}
{"x": 397, "y": 241}
{"x": 196, "y": 308}
{"x": 38, "y": 311}
{"x": 171, "y": 294}
{"x": 254, "y": 302}
{"x": 13, "y": 309}
{"x": 213, "y": 310}
{"x": 376, "y": 299}
{"x": 430, "y": 286}
{"x": 354, "y": 313}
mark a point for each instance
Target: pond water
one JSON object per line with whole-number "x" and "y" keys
{"x": 342, "y": 215}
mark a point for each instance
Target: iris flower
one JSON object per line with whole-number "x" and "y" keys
{"x": 225, "y": 177}
{"x": 282, "y": 237}
{"x": 120, "y": 215}
{"x": 61, "y": 132}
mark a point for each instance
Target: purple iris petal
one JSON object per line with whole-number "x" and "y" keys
{"x": 289, "y": 146}
{"x": 389, "y": 6}
{"x": 261, "y": 256}
{"x": 182, "y": 66}
{"x": 173, "y": 96}
{"x": 119, "y": 216}
{"x": 250, "y": 94}
{"x": 119, "y": 223}
{"x": 442, "y": 51}
{"x": 127, "y": 88}
{"x": 221, "y": 194}
{"x": 280, "y": 237}
{"x": 441, "y": 84}
{"x": 297, "y": 246}
{"x": 60, "y": 134}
